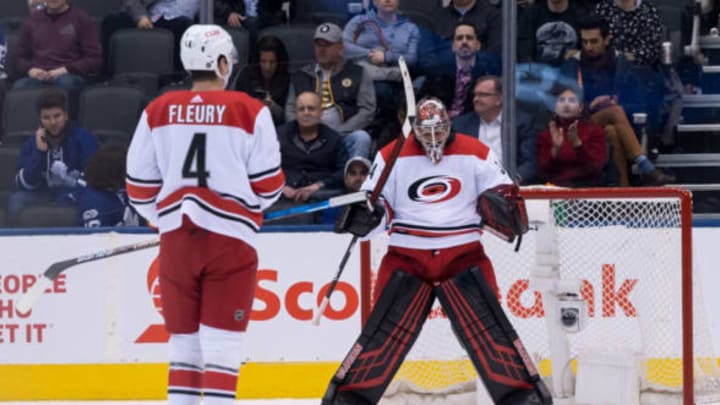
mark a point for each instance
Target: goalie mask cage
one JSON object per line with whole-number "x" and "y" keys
{"x": 631, "y": 247}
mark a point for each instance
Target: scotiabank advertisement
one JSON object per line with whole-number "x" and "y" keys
{"x": 108, "y": 311}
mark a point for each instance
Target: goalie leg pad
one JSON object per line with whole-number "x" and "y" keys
{"x": 493, "y": 345}
{"x": 392, "y": 328}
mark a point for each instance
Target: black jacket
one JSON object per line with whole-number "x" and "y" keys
{"x": 322, "y": 159}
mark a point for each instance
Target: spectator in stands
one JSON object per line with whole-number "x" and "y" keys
{"x": 345, "y": 89}
{"x": 268, "y": 12}
{"x": 172, "y": 15}
{"x": 635, "y": 28}
{"x": 253, "y": 15}
{"x": 104, "y": 201}
{"x": 268, "y": 80}
{"x": 607, "y": 78}
{"x": 486, "y": 18}
{"x": 452, "y": 82}
{"x": 571, "y": 151}
{"x": 52, "y": 160}
{"x": 485, "y": 123}
{"x": 235, "y": 14}
{"x": 549, "y": 32}
{"x": 356, "y": 171}
{"x": 3, "y": 75}
{"x": 376, "y": 40}
{"x": 313, "y": 155}
{"x": 58, "y": 46}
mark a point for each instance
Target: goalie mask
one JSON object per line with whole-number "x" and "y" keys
{"x": 432, "y": 127}
{"x": 201, "y": 47}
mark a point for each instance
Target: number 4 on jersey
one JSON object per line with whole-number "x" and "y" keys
{"x": 196, "y": 153}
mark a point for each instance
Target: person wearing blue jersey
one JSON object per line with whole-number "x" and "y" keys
{"x": 104, "y": 201}
{"x": 52, "y": 160}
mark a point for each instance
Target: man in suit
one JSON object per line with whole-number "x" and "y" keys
{"x": 451, "y": 80}
{"x": 485, "y": 123}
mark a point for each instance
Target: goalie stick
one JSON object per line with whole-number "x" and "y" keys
{"x": 43, "y": 282}
{"x": 406, "y": 129}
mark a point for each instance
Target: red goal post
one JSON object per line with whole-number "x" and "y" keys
{"x": 624, "y": 234}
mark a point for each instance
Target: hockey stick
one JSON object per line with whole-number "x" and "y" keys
{"x": 44, "y": 281}
{"x": 406, "y": 129}
{"x": 338, "y": 201}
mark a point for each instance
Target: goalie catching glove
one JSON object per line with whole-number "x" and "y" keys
{"x": 502, "y": 211}
{"x": 358, "y": 219}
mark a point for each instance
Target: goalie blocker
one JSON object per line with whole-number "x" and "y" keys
{"x": 477, "y": 319}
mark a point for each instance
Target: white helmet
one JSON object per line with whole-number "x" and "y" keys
{"x": 203, "y": 44}
{"x": 432, "y": 127}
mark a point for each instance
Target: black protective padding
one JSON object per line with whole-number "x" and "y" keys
{"x": 487, "y": 335}
{"x": 392, "y": 328}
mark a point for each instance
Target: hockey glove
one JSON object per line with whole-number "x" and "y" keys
{"x": 358, "y": 220}
{"x": 502, "y": 211}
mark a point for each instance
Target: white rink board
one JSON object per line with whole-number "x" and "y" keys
{"x": 102, "y": 308}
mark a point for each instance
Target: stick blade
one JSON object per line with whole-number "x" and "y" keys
{"x": 32, "y": 294}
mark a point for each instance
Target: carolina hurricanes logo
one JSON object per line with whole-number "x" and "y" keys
{"x": 435, "y": 189}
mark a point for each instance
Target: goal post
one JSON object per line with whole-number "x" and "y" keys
{"x": 630, "y": 251}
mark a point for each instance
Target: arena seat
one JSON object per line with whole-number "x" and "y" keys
{"x": 8, "y": 167}
{"x": 46, "y": 216}
{"x": 111, "y": 112}
{"x": 12, "y": 14}
{"x": 241, "y": 40}
{"x": 139, "y": 57}
{"x": 99, "y": 8}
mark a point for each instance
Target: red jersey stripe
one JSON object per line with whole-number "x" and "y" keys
{"x": 268, "y": 185}
{"x": 136, "y": 192}
{"x": 214, "y": 200}
{"x": 431, "y": 234}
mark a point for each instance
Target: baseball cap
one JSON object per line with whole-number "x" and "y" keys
{"x": 360, "y": 159}
{"x": 329, "y": 32}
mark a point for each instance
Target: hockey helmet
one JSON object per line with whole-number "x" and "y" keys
{"x": 202, "y": 45}
{"x": 432, "y": 127}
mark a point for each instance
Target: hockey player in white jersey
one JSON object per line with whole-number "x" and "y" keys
{"x": 444, "y": 188}
{"x": 202, "y": 166}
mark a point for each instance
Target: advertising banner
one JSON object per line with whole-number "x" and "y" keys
{"x": 107, "y": 311}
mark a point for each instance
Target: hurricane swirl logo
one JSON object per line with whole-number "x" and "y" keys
{"x": 435, "y": 189}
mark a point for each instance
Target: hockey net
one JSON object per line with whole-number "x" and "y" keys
{"x": 631, "y": 249}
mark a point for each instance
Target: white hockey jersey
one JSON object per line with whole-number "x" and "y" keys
{"x": 210, "y": 155}
{"x": 432, "y": 206}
